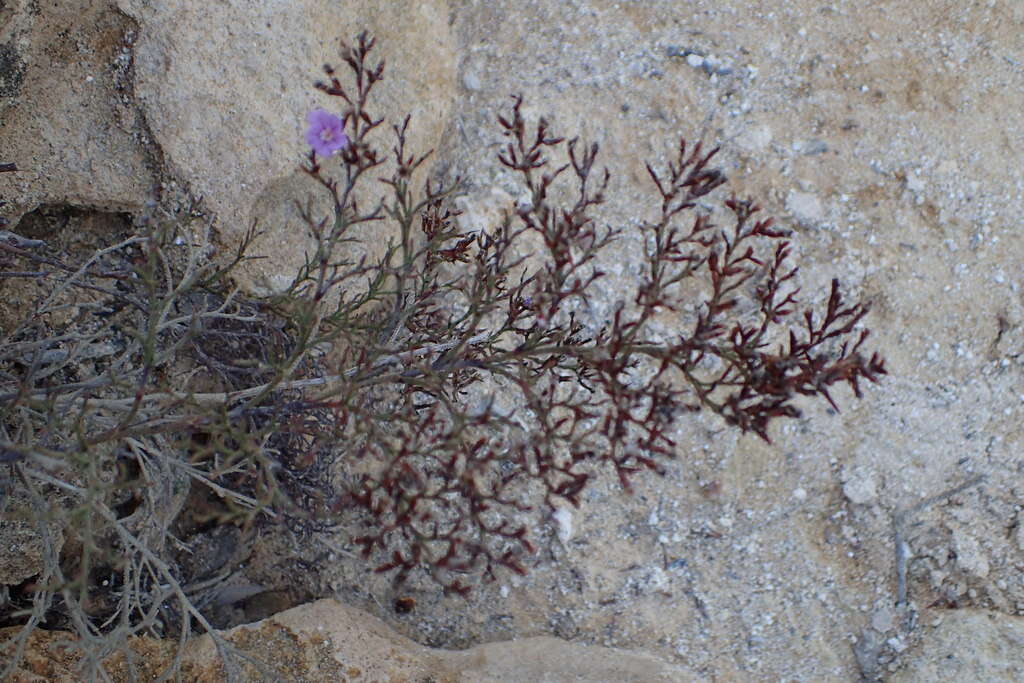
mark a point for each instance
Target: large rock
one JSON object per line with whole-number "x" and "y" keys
{"x": 108, "y": 105}
{"x": 328, "y": 641}
{"x": 226, "y": 86}
{"x": 66, "y": 114}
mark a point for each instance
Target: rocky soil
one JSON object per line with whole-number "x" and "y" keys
{"x": 876, "y": 542}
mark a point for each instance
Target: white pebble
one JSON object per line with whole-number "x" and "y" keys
{"x": 860, "y": 487}
{"x": 563, "y": 519}
{"x": 969, "y": 555}
{"x": 805, "y": 206}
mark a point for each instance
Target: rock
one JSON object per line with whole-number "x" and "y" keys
{"x": 914, "y": 183}
{"x": 563, "y": 524}
{"x": 967, "y": 645}
{"x": 805, "y": 207}
{"x": 969, "y": 555}
{"x": 813, "y": 147}
{"x": 327, "y": 640}
{"x": 484, "y": 210}
{"x": 128, "y": 105}
{"x": 860, "y": 487}
{"x": 67, "y": 116}
{"x": 883, "y": 619}
{"x": 226, "y": 88}
{"x": 471, "y": 80}
{"x": 279, "y": 212}
{"x": 755, "y": 139}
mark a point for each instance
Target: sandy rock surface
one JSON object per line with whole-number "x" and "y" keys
{"x": 889, "y": 135}
{"x": 67, "y": 116}
{"x": 328, "y": 641}
{"x": 967, "y": 645}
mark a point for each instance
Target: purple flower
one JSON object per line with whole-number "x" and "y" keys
{"x": 326, "y": 134}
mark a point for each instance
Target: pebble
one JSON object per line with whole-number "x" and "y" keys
{"x": 713, "y": 66}
{"x": 806, "y": 207}
{"x": 860, "y": 487}
{"x": 897, "y": 644}
{"x": 969, "y": 556}
{"x": 813, "y": 147}
{"x": 563, "y": 521}
{"x": 883, "y": 620}
{"x": 755, "y": 138}
{"x": 683, "y": 52}
{"x": 471, "y": 80}
{"x": 914, "y": 183}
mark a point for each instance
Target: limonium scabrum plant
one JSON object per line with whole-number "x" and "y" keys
{"x": 442, "y": 479}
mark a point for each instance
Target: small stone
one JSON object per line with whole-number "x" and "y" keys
{"x": 860, "y": 487}
{"x": 563, "y": 521}
{"x": 695, "y": 60}
{"x": 914, "y": 183}
{"x": 813, "y": 147}
{"x": 682, "y": 52}
{"x": 800, "y": 494}
{"x": 969, "y": 555}
{"x": 897, "y": 645}
{"x": 471, "y": 80}
{"x": 883, "y": 620}
{"x": 713, "y": 66}
{"x": 806, "y": 207}
{"x": 755, "y": 138}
